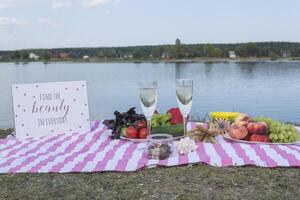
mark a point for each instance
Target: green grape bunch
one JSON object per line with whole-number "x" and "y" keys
{"x": 280, "y": 132}
{"x": 162, "y": 120}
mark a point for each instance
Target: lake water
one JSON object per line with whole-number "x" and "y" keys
{"x": 257, "y": 88}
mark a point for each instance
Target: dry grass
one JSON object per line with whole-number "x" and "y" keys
{"x": 188, "y": 182}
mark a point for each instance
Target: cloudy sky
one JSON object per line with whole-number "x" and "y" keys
{"x": 78, "y": 23}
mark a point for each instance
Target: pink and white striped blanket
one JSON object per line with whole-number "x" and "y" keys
{"x": 94, "y": 151}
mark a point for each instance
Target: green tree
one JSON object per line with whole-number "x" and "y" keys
{"x": 156, "y": 53}
{"x": 210, "y": 51}
{"x": 248, "y": 50}
{"x": 24, "y": 55}
{"x": 177, "y": 42}
{"x": 177, "y": 51}
{"x": 73, "y": 55}
{"x": 110, "y": 53}
{"x": 16, "y": 55}
{"x": 46, "y": 56}
{"x": 100, "y": 54}
{"x": 296, "y": 52}
{"x": 137, "y": 53}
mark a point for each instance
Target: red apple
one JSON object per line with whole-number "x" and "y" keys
{"x": 252, "y": 128}
{"x": 259, "y": 138}
{"x": 263, "y": 128}
{"x": 258, "y": 128}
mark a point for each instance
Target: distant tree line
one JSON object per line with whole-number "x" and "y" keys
{"x": 176, "y": 51}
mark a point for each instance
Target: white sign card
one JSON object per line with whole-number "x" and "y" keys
{"x": 42, "y": 109}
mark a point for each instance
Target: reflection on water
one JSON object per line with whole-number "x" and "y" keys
{"x": 258, "y": 88}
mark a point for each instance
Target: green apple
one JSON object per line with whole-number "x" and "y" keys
{"x": 123, "y": 132}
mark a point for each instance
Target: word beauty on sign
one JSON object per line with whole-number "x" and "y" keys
{"x": 42, "y": 109}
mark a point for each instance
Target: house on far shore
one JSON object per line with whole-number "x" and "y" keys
{"x": 165, "y": 55}
{"x": 285, "y": 54}
{"x": 128, "y": 56}
{"x": 231, "y": 55}
{"x": 0, "y": 57}
{"x": 85, "y": 57}
{"x": 63, "y": 55}
{"x": 33, "y": 56}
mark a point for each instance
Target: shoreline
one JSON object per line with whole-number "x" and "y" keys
{"x": 5, "y": 132}
{"x": 193, "y": 60}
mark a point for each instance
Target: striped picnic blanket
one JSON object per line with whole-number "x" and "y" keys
{"x": 94, "y": 151}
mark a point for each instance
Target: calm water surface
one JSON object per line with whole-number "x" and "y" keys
{"x": 258, "y": 88}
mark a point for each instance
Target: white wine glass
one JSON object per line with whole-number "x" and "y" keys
{"x": 184, "y": 94}
{"x": 148, "y": 98}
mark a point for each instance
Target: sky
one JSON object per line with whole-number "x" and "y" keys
{"x": 104, "y": 23}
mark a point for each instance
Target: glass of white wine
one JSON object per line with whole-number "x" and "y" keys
{"x": 184, "y": 93}
{"x": 148, "y": 98}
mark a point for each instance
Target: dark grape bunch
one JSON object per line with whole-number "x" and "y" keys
{"x": 124, "y": 119}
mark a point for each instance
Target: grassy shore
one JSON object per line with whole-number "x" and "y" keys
{"x": 5, "y": 132}
{"x": 184, "y": 182}
{"x": 187, "y": 182}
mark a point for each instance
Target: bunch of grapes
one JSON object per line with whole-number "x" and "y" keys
{"x": 161, "y": 120}
{"x": 280, "y": 132}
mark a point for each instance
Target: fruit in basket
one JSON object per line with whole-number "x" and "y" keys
{"x": 143, "y": 132}
{"x": 242, "y": 120}
{"x": 259, "y": 138}
{"x": 260, "y": 128}
{"x": 238, "y": 132}
{"x": 131, "y": 132}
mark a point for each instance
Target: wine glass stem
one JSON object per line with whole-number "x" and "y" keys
{"x": 149, "y": 125}
{"x": 185, "y": 119}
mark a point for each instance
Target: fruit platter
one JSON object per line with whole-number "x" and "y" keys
{"x": 241, "y": 127}
{"x": 132, "y": 126}
{"x": 234, "y": 126}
